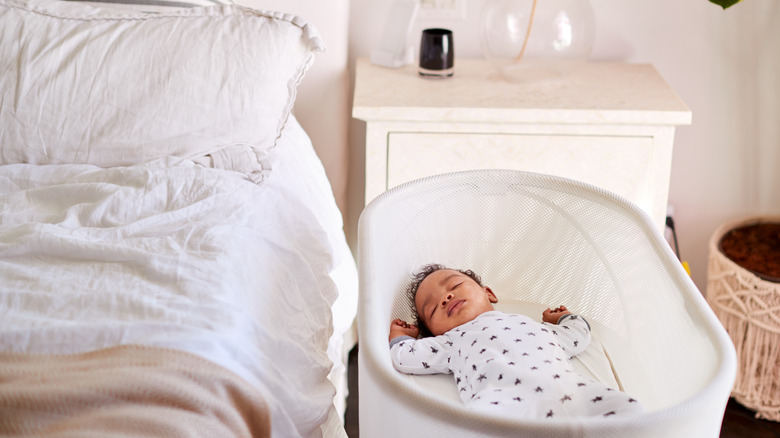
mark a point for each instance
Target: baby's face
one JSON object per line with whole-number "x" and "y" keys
{"x": 447, "y": 299}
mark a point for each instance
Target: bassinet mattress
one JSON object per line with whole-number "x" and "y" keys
{"x": 171, "y": 254}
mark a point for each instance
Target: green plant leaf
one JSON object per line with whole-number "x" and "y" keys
{"x": 725, "y": 3}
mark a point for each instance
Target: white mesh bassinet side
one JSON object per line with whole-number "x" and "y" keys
{"x": 547, "y": 240}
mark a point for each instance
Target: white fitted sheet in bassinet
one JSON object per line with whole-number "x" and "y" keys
{"x": 541, "y": 241}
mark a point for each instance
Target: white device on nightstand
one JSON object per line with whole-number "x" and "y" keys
{"x": 393, "y": 50}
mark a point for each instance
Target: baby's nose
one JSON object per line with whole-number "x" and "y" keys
{"x": 447, "y": 299}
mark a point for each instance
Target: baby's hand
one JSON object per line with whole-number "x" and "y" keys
{"x": 553, "y": 315}
{"x": 401, "y": 328}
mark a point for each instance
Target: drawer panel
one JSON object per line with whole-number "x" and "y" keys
{"x": 620, "y": 164}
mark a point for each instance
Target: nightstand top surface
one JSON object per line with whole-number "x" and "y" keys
{"x": 598, "y": 92}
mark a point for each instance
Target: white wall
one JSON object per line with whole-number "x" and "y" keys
{"x": 725, "y": 65}
{"x": 322, "y": 105}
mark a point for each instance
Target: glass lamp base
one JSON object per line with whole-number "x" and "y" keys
{"x": 535, "y": 40}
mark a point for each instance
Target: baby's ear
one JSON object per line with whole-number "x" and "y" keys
{"x": 491, "y": 296}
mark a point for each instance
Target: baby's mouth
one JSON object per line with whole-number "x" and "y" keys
{"x": 454, "y": 305}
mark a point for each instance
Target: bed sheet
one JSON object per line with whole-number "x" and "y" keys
{"x": 171, "y": 254}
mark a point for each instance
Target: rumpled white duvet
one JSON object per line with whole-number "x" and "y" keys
{"x": 172, "y": 254}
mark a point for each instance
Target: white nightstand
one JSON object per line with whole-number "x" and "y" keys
{"x": 609, "y": 124}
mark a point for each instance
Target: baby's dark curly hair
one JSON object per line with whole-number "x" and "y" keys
{"x": 417, "y": 278}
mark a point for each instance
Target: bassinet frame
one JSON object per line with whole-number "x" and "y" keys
{"x": 557, "y": 241}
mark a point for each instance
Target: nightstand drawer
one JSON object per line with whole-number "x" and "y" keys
{"x": 621, "y": 164}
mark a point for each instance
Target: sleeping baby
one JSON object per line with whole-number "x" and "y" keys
{"x": 500, "y": 361}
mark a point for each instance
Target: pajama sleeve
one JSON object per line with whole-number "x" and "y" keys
{"x": 421, "y": 356}
{"x": 573, "y": 333}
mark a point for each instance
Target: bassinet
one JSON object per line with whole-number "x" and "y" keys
{"x": 539, "y": 240}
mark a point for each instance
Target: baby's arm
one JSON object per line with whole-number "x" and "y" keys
{"x": 573, "y": 331}
{"x": 402, "y": 328}
{"x": 417, "y": 356}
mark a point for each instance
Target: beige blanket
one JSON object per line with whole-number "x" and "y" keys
{"x": 128, "y": 391}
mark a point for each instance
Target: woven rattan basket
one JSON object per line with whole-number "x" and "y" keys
{"x": 749, "y": 308}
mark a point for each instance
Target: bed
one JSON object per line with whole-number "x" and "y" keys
{"x": 172, "y": 256}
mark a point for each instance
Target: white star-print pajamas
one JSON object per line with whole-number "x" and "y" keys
{"x": 511, "y": 362}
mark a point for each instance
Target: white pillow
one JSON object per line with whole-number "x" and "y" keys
{"x": 111, "y": 88}
{"x": 152, "y": 6}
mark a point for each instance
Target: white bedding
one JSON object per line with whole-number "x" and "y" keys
{"x": 169, "y": 253}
